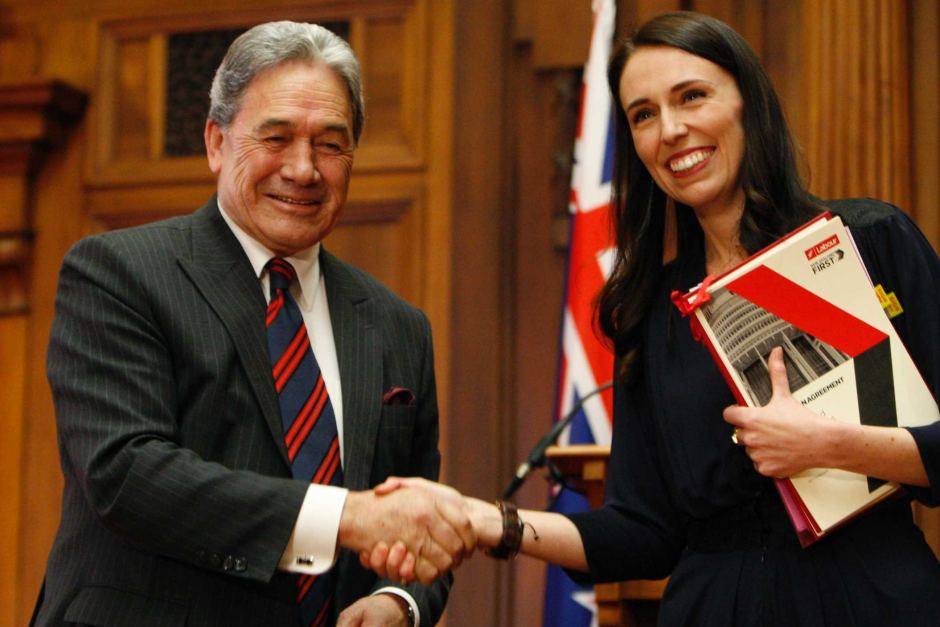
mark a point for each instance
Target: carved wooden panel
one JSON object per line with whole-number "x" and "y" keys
{"x": 154, "y": 74}
{"x": 394, "y": 73}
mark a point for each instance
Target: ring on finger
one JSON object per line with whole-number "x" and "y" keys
{"x": 734, "y": 436}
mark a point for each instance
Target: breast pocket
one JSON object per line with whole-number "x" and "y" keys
{"x": 394, "y": 442}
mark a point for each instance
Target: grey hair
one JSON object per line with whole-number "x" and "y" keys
{"x": 265, "y": 46}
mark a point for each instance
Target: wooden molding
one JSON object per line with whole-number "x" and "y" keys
{"x": 34, "y": 117}
{"x": 38, "y": 111}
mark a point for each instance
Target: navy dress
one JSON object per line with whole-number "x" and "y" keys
{"x": 683, "y": 500}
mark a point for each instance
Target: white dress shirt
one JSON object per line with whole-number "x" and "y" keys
{"x": 312, "y": 547}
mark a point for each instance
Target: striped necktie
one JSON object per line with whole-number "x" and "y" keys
{"x": 306, "y": 416}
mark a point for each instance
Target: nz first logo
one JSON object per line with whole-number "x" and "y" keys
{"x": 825, "y": 254}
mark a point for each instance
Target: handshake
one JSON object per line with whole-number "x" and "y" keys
{"x": 414, "y": 529}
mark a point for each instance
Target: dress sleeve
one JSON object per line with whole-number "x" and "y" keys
{"x": 638, "y": 533}
{"x": 901, "y": 259}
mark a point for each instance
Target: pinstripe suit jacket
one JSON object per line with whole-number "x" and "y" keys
{"x": 178, "y": 500}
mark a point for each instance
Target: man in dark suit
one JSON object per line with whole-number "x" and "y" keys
{"x": 187, "y": 500}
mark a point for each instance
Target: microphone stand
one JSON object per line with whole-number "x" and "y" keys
{"x": 536, "y": 458}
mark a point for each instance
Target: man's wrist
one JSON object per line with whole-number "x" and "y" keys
{"x": 350, "y": 528}
{"x": 312, "y": 546}
{"x": 408, "y": 611}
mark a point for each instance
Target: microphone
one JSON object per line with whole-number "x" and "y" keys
{"x": 536, "y": 458}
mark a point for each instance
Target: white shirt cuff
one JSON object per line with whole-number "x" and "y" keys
{"x": 312, "y": 548}
{"x": 407, "y": 597}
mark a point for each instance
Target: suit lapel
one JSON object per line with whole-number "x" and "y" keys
{"x": 221, "y": 271}
{"x": 359, "y": 353}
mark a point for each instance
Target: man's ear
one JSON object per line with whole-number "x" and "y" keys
{"x": 214, "y": 137}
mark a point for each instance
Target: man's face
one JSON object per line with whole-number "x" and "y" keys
{"x": 283, "y": 164}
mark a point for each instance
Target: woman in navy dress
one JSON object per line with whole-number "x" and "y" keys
{"x": 700, "y": 129}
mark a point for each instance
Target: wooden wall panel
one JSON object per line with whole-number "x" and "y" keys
{"x": 381, "y": 230}
{"x": 856, "y": 90}
{"x": 546, "y": 126}
{"x": 34, "y": 116}
{"x": 13, "y": 353}
{"x": 925, "y": 127}
{"x": 56, "y": 221}
{"x": 744, "y": 16}
{"x": 562, "y": 34}
{"x": 925, "y": 158}
{"x": 129, "y": 115}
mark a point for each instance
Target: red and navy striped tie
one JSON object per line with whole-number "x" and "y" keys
{"x": 307, "y": 417}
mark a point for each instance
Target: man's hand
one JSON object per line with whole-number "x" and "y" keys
{"x": 782, "y": 438}
{"x": 378, "y": 610}
{"x": 427, "y": 521}
{"x": 396, "y": 562}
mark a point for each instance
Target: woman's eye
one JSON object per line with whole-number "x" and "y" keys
{"x": 641, "y": 115}
{"x": 693, "y": 94}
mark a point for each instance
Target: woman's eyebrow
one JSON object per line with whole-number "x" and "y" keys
{"x": 677, "y": 87}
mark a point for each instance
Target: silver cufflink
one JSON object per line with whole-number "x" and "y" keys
{"x": 305, "y": 560}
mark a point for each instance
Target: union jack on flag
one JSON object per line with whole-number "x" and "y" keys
{"x": 585, "y": 362}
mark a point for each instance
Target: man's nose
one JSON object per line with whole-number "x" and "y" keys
{"x": 300, "y": 164}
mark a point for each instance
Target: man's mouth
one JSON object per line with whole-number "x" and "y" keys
{"x": 294, "y": 201}
{"x": 690, "y": 160}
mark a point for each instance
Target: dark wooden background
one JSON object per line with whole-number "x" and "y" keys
{"x": 458, "y": 199}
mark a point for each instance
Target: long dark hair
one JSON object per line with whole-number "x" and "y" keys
{"x": 776, "y": 200}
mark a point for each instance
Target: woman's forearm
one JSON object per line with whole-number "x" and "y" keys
{"x": 888, "y": 453}
{"x": 546, "y": 536}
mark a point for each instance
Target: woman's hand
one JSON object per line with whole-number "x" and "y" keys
{"x": 783, "y": 437}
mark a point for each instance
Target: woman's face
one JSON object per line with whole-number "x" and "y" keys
{"x": 685, "y": 117}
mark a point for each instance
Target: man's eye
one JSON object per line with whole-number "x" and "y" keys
{"x": 330, "y": 147}
{"x": 275, "y": 139}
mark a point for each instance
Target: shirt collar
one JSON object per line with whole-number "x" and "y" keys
{"x": 306, "y": 262}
